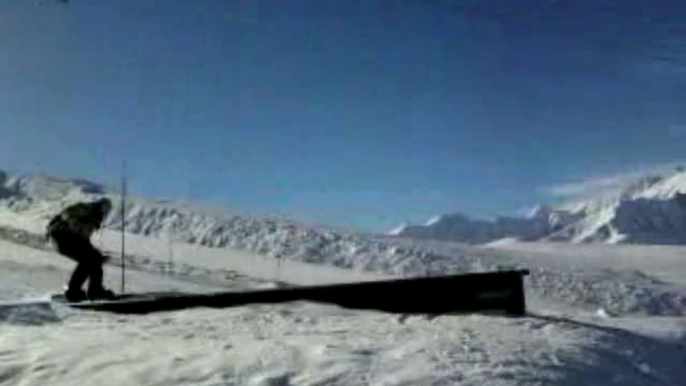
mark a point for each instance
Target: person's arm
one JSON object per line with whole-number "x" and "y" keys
{"x": 103, "y": 215}
{"x": 58, "y": 220}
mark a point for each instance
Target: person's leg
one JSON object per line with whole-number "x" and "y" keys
{"x": 71, "y": 246}
{"x": 95, "y": 277}
{"x": 79, "y": 276}
{"x": 96, "y": 259}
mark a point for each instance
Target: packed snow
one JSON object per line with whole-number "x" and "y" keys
{"x": 597, "y": 315}
{"x": 309, "y": 344}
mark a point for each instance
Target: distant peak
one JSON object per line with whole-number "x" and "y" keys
{"x": 641, "y": 184}
{"x": 434, "y": 220}
{"x": 539, "y": 211}
{"x": 398, "y": 230}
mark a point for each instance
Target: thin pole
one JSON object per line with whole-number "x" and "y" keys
{"x": 169, "y": 251}
{"x": 123, "y": 228}
{"x": 278, "y": 269}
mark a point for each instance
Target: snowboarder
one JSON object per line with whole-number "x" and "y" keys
{"x": 71, "y": 231}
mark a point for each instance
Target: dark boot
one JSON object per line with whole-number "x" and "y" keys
{"x": 100, "y": 294}
{"x": 75, "y": 295}
{"x": 95, "y": 288}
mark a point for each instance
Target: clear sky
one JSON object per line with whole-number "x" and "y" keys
{"x": 355, "y": 113}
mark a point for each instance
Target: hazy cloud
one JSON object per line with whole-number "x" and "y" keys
{"x": 677, "y": 131}
{"x": 592, "y": 186}
{"x": 606, "y": 184}
{"x": 668, "y": 66}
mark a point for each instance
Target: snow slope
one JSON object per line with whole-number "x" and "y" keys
{"x": 651, "y": 210}
{"x": 309, "y": 344}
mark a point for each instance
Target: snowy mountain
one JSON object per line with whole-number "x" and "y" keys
{"x": 40, "y": 197}
{"x": 457, "y": 227}
{"x": 651, "y": 210}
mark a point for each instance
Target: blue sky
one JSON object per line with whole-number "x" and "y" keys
{"x": 359, "y": 114}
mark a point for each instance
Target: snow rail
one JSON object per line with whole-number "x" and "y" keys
{"x": 499, "y": 292}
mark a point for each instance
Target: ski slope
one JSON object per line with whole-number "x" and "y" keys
{"x": 561, "y": 343}
{"x": 662, "y": 262}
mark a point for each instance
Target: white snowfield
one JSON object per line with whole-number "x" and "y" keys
{"x": 592, "y": 321}
{"x": 650, "y": 210}
{"x": 309, "y": 344}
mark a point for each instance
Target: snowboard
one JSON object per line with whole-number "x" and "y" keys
{"x": 118, "y": 298}
{"x": 11, "y": 309}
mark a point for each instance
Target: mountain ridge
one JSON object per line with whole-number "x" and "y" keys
{"x": 648, "y": 210}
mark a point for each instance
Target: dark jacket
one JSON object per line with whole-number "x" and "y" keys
{"x": 81, "y": 219}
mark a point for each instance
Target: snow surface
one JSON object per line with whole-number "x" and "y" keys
{"x": 598, "y": 316}
{"x": 310, "y": 344}
{"x": 650, "y": 210}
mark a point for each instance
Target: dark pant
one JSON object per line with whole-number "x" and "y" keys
{"x": 89, "y": 260}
